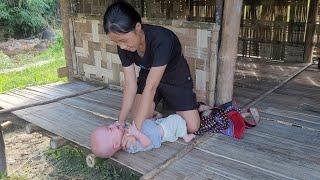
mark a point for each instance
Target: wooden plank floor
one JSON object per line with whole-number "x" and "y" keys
{"x": 75, "y": 118}
{"x": 297, "y": 102}
{"x": 273, "y": 150}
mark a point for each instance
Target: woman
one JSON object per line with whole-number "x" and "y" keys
{"x": 164, "y": 72}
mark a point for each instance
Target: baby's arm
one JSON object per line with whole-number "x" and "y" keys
{"x": 128, "y": 141}
{"x": 144, "y": 140}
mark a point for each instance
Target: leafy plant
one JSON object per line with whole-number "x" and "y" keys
{"x": 2, "y": 175}
{"x": 23, "y": 18}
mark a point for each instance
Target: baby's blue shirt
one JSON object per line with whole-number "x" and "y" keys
{"x": 150, "y": 129}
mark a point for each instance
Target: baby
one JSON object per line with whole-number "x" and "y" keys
{"x": 107, "y": 140}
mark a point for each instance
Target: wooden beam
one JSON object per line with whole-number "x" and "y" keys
{"x": 262, "y": 96}
{"x": 3, "y": 162}
{"x": 63, "y": 72}
{"x": 3, "y": 111}
{"x": 228, "y": 50}
{"x": 176, "y": 156}
{"x": 65, "y": 8}
{"x": 311, "y": 29}
{"x": 6, "y": 124}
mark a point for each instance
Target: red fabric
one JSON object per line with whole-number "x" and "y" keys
{"x": 238, "y": 122}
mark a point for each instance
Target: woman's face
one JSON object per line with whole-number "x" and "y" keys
{"x": 128, "y": 41}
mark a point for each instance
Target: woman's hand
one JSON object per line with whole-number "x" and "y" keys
{"x": 120, "y": 124}
{"x": 133, "y": 130}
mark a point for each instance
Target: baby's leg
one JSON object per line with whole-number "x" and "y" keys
{"x": 203, "y": 107}
{"x": 188, "y": 137}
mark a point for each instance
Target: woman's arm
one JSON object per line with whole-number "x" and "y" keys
{"x": 129, "y": 92}
{"x": 149, "y": 91}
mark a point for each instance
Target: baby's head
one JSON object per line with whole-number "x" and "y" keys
{"x": 106, "y": 140}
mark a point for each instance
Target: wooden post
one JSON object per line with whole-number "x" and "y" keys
{"x": 31, "y": 128}
{"x": 213, "y": 54}
{"x": 57, "y": 142}
{"x": 65, "y": 8}
{"x": 3, "y": 162}
{"x": 6, "y": 124}
{"x": 311, "y": 29}
{"x": 228, "y": 50}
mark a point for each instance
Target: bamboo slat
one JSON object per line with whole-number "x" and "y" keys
{"x": 270, "y": 151}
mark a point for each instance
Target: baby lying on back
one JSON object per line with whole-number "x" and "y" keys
{"x": 107, "y": 140}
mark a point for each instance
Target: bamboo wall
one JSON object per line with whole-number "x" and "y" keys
{"x": 195, "y": 10}
{"x": 273, "y": 29}
{"x": 317, "y": 35}
{"x": 95, "y": 57}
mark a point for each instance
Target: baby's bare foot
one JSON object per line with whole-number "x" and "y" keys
{"x": 187, "y": 138}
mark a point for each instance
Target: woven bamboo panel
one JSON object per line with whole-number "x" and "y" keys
{"x": 98, "y": 7}
{"x": 194, "y": 10}
{"x": 278, "y": 25}
{"x": 97, "y": 57}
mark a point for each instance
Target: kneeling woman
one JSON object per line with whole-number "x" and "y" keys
{"x": 164, "y": 72}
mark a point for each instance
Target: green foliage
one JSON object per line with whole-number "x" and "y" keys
{"x": 58, "y": 45}
{"x": 2, "y": 175}
{"x": 5, "y": 61}
{"x": 23, "y": 18}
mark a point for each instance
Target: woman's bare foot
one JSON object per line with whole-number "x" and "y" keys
{"x": 255, "y": 114}
{"x": 251, "y": 122}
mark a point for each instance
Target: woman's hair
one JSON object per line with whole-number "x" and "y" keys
{"x": 120, "y": 17}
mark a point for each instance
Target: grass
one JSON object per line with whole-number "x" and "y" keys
{"x": 70, "y": 163}
{"x": 18, "y": 60}
{"x": 36, "y": 75}
{"x": 43, "y": 74}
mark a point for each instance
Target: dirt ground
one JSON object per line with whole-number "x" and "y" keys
{"x": 29, "y": 157}
{"x": 25, "y": 152}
